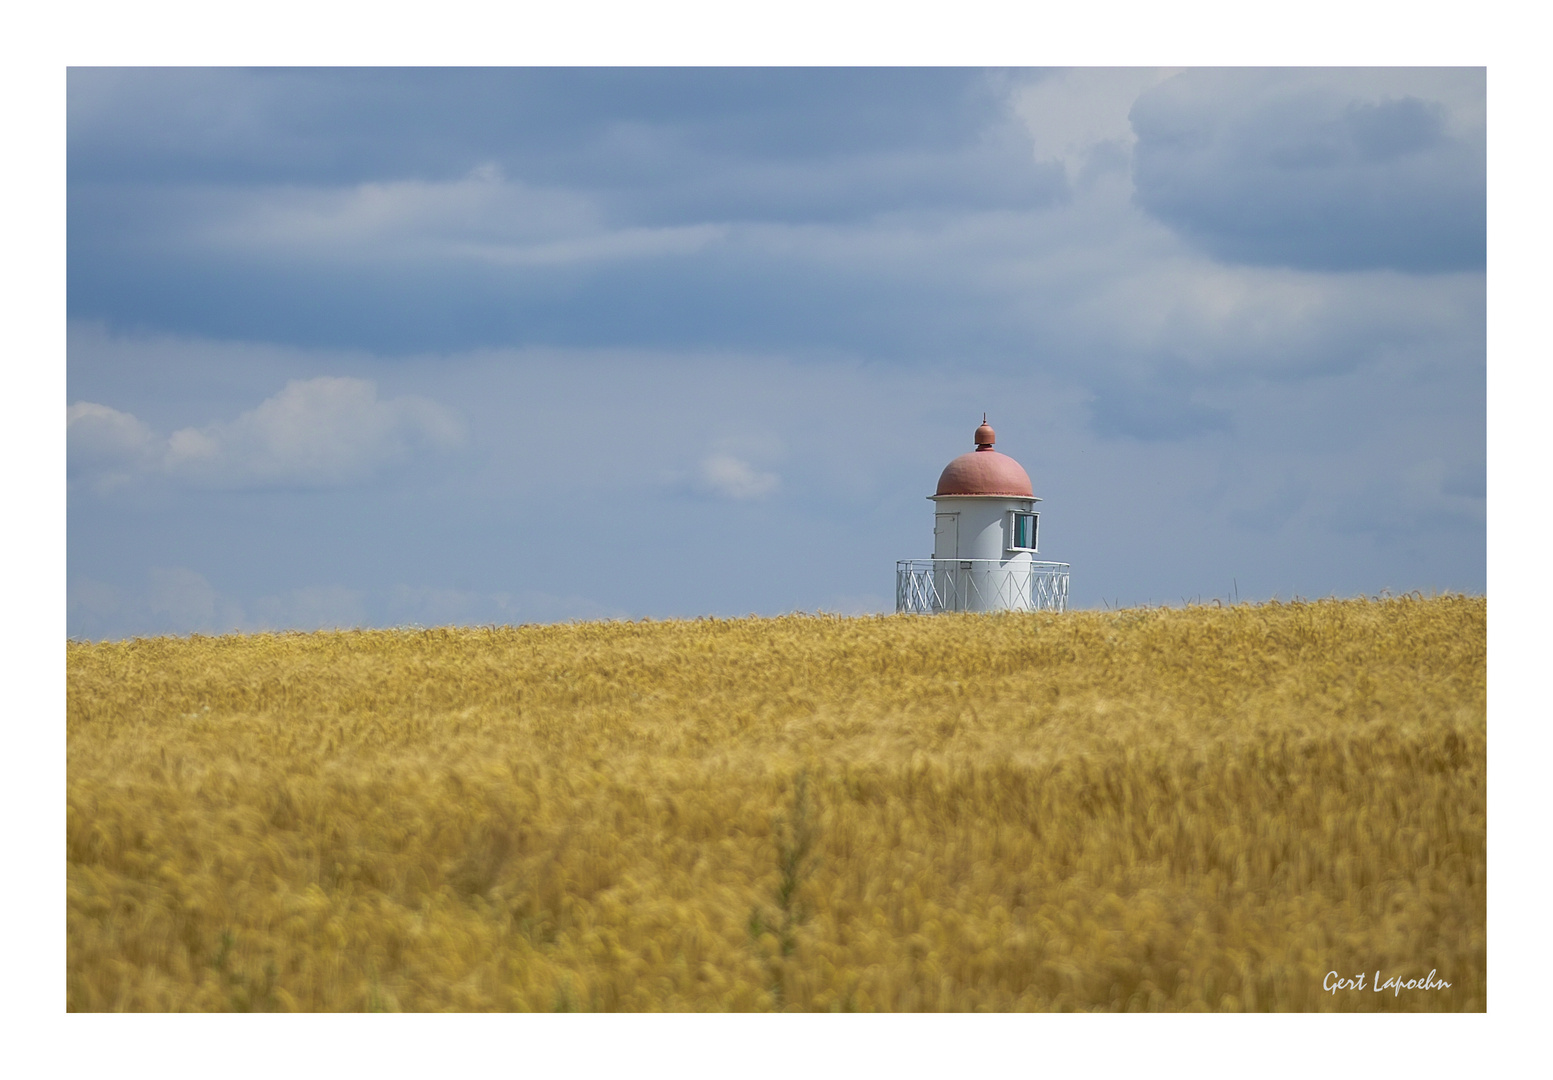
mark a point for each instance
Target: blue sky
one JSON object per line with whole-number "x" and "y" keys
{"x": 375, "y": 347}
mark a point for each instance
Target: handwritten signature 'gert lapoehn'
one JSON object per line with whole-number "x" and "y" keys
{"x": 1396, "y": 984}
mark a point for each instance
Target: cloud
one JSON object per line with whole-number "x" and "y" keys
{"x": 730, "y": 477}
{"x": 423, "y": 209}
{"x": 181, "y": 597}
{"x": 112, "y": 445}
{"x": 401, "y": 214}
{"x": 321, "y": 432}
{"x": 1324, "y": 170}
{"x": 180, "y": 600}
{"x": 646, "y": 144}
{"x": 481, "y": 217}
{"x": 1079, "y": 116}
{"x": 899, "y": 218}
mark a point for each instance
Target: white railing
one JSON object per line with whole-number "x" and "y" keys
{"x": 928, "y": 586}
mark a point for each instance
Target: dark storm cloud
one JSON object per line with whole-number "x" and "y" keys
{"x": 651, "y": 144}
{"x": 703, "y": 289}
{"x": 450, "y": 209}
{"x": 1319, "y": 170}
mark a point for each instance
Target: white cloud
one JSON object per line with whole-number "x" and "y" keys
{"x": 317, "y": 432}
{"x": 480, "y": 205}
{"x": 183, "y": 599}
{"x": 483, "y": 217}
{"x": 321, "y": 432}
{"x": 1071, "y": 113}
{"x": 595, "y": 247}
{"x": 734, "y": 478}
{"x": 111, "y": 444}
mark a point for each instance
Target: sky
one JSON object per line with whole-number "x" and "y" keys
{"x": 422, "y": 346}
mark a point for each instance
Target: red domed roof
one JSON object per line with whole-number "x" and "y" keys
{"x": 984, "y": 471}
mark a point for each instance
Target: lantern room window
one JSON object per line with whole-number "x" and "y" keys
{"x": 1023, "y": 531}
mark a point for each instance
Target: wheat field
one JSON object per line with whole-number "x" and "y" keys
{"x": 1200, "y": 808}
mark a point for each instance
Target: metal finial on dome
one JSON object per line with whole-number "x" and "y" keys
{"x": 984, "y": 435}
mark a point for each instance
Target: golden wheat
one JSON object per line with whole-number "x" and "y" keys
{"x": 1164, "y": 809}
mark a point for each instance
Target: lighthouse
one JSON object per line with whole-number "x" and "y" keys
{"x": 986, "y": 536}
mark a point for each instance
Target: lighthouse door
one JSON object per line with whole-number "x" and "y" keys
{"x": 946, "y": 536}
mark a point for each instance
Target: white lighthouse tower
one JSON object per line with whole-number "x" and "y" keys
{"x": 986, "y": 535}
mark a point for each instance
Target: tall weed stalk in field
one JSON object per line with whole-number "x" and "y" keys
{"x": 793, "y": 834}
